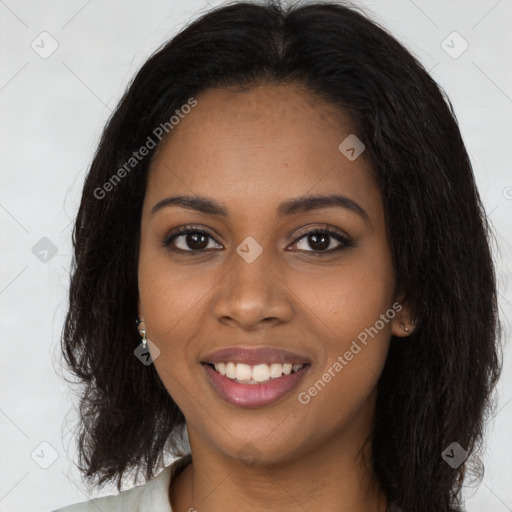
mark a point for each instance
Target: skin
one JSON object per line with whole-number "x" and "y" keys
{"x": 250, "y": 151}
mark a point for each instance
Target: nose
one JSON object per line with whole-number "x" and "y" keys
{"x": 253, "y": 295}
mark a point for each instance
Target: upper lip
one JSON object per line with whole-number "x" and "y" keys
{"x": 254, "y": 355}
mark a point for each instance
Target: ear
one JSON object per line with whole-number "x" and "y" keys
{"x": 140, "y": 316}
{"x": 402, "y": 325}
{"x": 139, "y": 309}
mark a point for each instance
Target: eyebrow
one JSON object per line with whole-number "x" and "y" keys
{"x": 290, "y": 207}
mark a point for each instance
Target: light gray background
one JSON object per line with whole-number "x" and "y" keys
{"x": 52, "y": 112}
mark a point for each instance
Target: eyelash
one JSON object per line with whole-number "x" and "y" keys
{"x": 317, "y": 230}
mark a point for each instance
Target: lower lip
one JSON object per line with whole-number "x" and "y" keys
{"x": 253, "y": 395}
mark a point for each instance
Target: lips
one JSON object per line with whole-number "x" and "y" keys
{"x": 253, "y": 395}
{"x": 249, "y": 393}
{"x": 254, "y": 356}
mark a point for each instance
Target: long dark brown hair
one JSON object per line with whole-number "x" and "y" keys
{"x": 436, "y": 387}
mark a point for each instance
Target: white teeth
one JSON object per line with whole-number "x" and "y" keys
{"x": 261, "y": 373}
{"x": 243, "y": 372}
{"x": 276, "y": 370}
{"x": 231, "y": 370}
{"x": 248, "y": 374}
{"x": 287, "y": 368}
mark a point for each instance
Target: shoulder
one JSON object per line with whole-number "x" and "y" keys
{"x": 153, "y": 495}
{"x": 128, "y": 501}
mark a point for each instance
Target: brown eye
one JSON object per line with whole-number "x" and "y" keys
{"x": 323, "y": 241}
{"x": 196, "y": 240}
{"x": 319, "y": 242}
{"x": 189, "y": 240}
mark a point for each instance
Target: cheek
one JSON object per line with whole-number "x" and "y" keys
{"x": 355, "y": 350}
{"x": 353, "y": 313}
{"x": 169, "y": 296}
{"x": 170, "y": 306}
{"x": 171, "y": 303}
{"x": 349, "y": 298}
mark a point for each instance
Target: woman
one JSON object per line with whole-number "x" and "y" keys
{"x": 283, "y": 210}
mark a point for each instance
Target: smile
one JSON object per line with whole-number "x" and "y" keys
{"x": 244, "y": 385}
{"x": 255, "y": 374}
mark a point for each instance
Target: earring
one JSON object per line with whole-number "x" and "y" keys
{"x": 142, "y": 331}
{"x": 406, "y": 329}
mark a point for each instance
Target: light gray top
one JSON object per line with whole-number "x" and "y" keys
{"x": 153, "y": 496}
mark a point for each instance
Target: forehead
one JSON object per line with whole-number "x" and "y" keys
{"x": 270, "y": 141}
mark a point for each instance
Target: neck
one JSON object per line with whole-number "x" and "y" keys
{"x": 334, "y": 476}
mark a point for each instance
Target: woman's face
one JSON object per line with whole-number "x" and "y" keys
{"x": 260, "y": 281}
